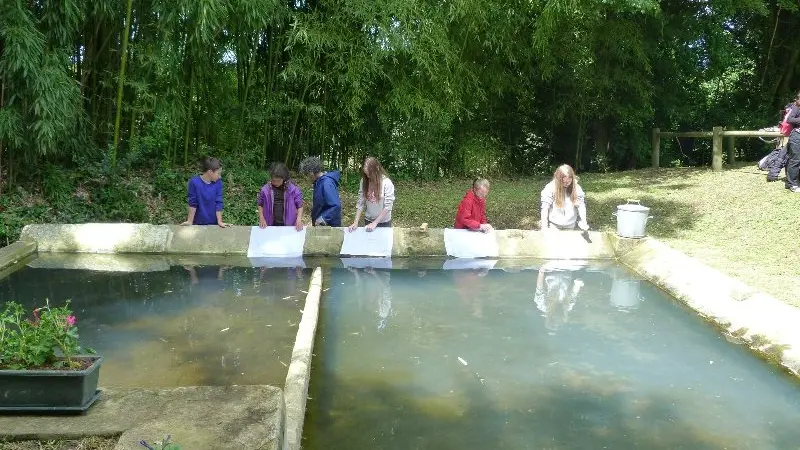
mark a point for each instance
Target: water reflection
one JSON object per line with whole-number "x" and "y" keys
{"x": 212, "y": 276}
{"x": 625, "y": 290}
{"x": 468, "y": 361}
{"x": 557, "y": 286}
{"x": 470, "y": 289}
{"x": 373, "y": 290}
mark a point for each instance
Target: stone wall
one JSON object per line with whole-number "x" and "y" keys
{"x": 320, "y": 241}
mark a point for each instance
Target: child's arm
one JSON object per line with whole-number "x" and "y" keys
{"x": 298, "y": 203}
{"x": 359, "y": 207}
{"x": 262, "y": 222}
{"x": 219, "y": 207}
{"x": 192, "y": 200}
{"x": 583, "y": 222}
{"x": 220, "y": 222}
{"x": 546, "y": 200}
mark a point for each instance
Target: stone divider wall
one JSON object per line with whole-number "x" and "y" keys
{"x": 295, "y": 390}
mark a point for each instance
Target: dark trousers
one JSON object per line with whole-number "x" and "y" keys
{"x": 793, "y": 163}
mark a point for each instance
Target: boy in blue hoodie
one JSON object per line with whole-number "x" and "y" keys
{"x": 326, "y": 207}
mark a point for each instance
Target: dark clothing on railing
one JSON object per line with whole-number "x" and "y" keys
{"x": 775, "y": 162}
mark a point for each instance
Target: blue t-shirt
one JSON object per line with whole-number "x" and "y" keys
{"x": 207, "y": 198}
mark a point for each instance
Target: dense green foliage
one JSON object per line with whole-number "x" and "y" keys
{"x": 98, "y": 91}
{"x": 430, "y": 87}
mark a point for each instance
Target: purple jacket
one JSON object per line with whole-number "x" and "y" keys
{"x": 292, "y": 201}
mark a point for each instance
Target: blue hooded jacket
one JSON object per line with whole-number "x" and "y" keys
{"x": 326, "y": 203}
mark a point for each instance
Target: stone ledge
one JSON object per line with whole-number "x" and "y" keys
{"x": 320, "y": 241}
{"x": 299, "y": 374}
{"x": 98, "y": 237}
{"x": 15, "y": 253}
{"x": 765, "y": 324}
{"x": 205, "y": 417}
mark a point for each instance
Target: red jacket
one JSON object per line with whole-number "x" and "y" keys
{"x": 471, "y": 212}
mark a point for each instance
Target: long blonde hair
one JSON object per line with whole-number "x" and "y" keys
{"x": 372, "y": 183}
{"x": 563, "y": 171}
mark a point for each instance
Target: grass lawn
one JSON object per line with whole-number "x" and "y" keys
{"x": 732, "y": 220}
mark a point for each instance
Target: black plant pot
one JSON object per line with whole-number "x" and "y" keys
{"x": 50, "y": 390}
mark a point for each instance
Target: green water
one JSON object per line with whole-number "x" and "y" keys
{"x": 180, "y": 326}
{"x": 467, "y": 359}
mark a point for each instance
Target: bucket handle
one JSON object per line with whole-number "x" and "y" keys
{"x": 634, "y": 201}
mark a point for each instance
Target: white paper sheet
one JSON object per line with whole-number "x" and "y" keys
{"x": 292, "y": 261}
{"x": 361, "y": 263}
{"x": 468, "y": 263}
{"x": 470, "y": 244}
{"x": 361, "y": 242}
{"x": 276, "y": 242}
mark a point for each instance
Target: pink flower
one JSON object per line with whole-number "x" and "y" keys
{"x": 71, "y": 320}
{"x": 36, "y": 313}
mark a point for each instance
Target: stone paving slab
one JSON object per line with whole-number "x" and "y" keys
{"x": 201, "y": 417}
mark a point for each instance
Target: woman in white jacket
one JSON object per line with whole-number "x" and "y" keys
{"x": 563, "y": 202}
{"x": 375, "y": 197}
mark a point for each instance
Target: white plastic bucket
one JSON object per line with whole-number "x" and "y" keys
{"x": 632, "y": 219}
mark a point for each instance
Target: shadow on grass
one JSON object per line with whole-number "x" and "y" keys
{"x": 646, "y": 178}
{"x": 669, "y": 216}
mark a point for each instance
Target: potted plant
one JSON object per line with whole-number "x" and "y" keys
{"x": 42, "y": 367}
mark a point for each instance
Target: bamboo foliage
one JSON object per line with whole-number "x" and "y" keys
{"x": 431, "y": 87}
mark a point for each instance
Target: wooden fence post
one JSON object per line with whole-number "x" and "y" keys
{"x": 716, "y": 150}
{"x": 730, "y": 143}
{"x": 656, "y": 141}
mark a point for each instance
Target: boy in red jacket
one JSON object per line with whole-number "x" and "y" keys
{"x": 472, "y": 209}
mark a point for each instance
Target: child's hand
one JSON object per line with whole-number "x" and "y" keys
{"x": 352, "y": 227}
{"x": 299, "y": 225}
{"x": 184, "y": 224}
{"x": 223, "y": 225}
{"x": 262, "y": 222}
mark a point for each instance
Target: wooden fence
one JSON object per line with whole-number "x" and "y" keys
{"x": 716, "y": 135}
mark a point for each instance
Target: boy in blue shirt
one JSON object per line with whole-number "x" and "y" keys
{"x": 205, "y": 195}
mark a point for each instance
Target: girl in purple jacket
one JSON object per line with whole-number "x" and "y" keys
{"x": 280, "y": 202}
